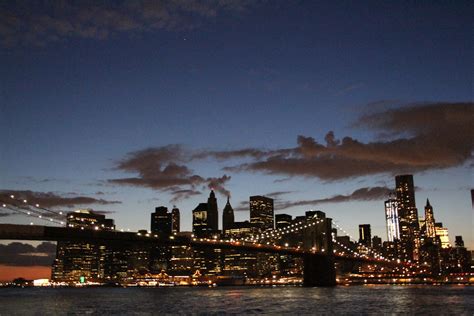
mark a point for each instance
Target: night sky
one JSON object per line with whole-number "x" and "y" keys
{"x": 122, "y": 107}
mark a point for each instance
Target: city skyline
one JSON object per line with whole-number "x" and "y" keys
{"x": 123, "y": 108}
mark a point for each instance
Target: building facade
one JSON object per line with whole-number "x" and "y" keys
{"x": 408, "y": 218}
{"x": 261, "y": 212}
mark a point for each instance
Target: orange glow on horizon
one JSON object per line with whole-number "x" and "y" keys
{"x": 9, "y": 273}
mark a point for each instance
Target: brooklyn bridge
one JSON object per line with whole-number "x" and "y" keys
{"x": 320, "y": 250}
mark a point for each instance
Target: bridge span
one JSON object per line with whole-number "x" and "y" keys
{"x": 319, "y": 269}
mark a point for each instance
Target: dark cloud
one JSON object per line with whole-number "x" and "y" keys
{"x": 103, "y": 212}
{"x": 162, "y": 168}
{"x": 20, "y": 254}
{"x": 242, "y": 206}
{"x": 217, "y": 184}
{"x": 278, "y": 194}
{"x": 40, "y": 22}
{"x": 362, "y": 194}
{"x": 418, "y": 138}
{"x": 49, "y": 199}
{"x": 184, "y": 194}
{"x": 232, "y": 154}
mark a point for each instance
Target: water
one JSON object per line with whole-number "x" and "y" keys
{"x": 458, "y": 300}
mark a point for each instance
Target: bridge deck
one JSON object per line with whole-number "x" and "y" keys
{"x": 49, "y": 233}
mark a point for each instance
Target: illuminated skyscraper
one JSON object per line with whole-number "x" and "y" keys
{"x": 261, "y": 212}
{"x": 408, "y": 217}
{"x": 442, "y": 235}
{"x": 175, "y": 220}
{"x": 365, "y": 237}
{"x": 82, "y": 261}
{"x": 429, "y": 221}
{"x": 227, "y": 217}
{"x": 205, "y": 225}
{"x": 200, "y": 222}
{"x": 391, "y": 217}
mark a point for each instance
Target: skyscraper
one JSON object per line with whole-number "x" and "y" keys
{"x": 161, "y": 221}
{"x": 212, "y": 212}
{"x": 365, "y": 237}
{"x": 261, "y": 212}
{"x": 442, "y": 234}
{"x": 430, "y": 231}
{"x": 82, "y": 261}
{"x": 408, "y": 217}
{"x": 175, "y": 220}
{"x": 227, "y": 216}
{"x": 392, "y": 221}
{"x": 200, "y": 221}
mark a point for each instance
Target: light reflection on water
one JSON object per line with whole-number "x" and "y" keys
{"x": 457, "y": 300}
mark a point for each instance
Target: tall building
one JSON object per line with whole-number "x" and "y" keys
{"x": 161, "y": 221}
{"x": 282, "y": 220}
{"x": 161, "y": 224}
{"x": 365, "y": 237}
{"x": 205, "y": 217}
{"x": 392, "y": 221}
{"x": 408, "y": 217}
{"x": 227, "y": 216}
{"x": 261, "y": 212}
{"x": 377, "y": 243}
{"x": 205, "y": 225}
{"x": 201, "y": 227}
{"x": 442, "y": 235}
{"x": 82, "y": 261}
{"x": 175, "y": 220}
{"x": 212, "y": 212}
{"x": 458, "y": 241}
{"x": 429, "y": 221}
{"x": 235, "y": 262}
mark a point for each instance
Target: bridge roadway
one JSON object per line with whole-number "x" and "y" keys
{"x": 318, "y": 266}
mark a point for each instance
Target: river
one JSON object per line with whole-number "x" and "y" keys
{"x": 454, "y": 299}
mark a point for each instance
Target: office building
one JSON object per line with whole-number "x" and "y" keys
{"x": 227, "y": 216}
{"x": 408, "y": 217}
{"x": 392, "y": 221}
{"x": 161, "y": 222}
{"x": 282, "y": 220}
{"x": 365, "y": 237}
{"x": 82, "y": 261}
{"x": 261, "y": 212}
{"x": 429, "y": 221}
{"x": 175, "y": 220}
{"x": 442, "y": 235}
{"x": 205, "y": 218}
{"x": 212, "y": 212}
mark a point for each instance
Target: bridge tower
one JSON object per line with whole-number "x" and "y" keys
{"x": 319, "y": 269}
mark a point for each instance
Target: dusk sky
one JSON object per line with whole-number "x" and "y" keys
{"x": 124, "y": 106}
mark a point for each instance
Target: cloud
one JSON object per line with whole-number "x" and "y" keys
{"x": 163, "y": 169}
{"x": 362, "y": 194}
{"x": 278, "y": 194}
{"x": 184, "y": 194}
{"x": 39, "y": 23}
{"x": 49, "y": 199}
{"x": 418, "y": 137}
{"x": 242, "y": 206}
{"x": 20, "y": 254}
